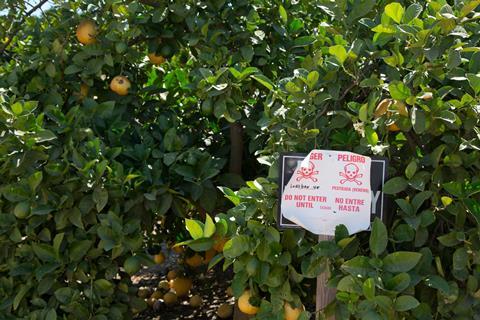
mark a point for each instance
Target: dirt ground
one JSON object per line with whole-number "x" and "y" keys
{"x": 210, "y": 285}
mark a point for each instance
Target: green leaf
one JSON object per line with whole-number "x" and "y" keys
{"x": 79, "y": 249}
{"x": 283, "y": 14}
{"x": 198, "y": 245}
{"x": 209, "y": 229}
{"x": 405, "y": 303}
{"x": 418, "y": 120}
{"x": 395, "y": 185}
{"x": 100, "y": 197}
{"x": 399, "y": 91}
{"x": 360, "y": 9}
{"x": 474, "y": 208}
{"x": 420, "y": 198}
{"x": 17, "y": 108}
{"x": 21, "y": 292}
{"x": 44, "y": 136}
{"x": 236, "y": 246}
{"x": 103, "y": 285}
{"x": 474, "y": 81}
{"x": 371, "y": 135}
{"x": 71, "y": 69}
{"x": 303, "y": 41}
{"x": 312, "y": 79}
{"x": 34, "y": 180}
{"x": 401, "y": 261}
{"x": 347, "y": 284}
{"x": 411, "y": 169}
{"x": 50, "y": 70}
{"x": 447, "y": 116}
{"x": 215, "y": 260}
{"x": 358, "y": 266}
{"x": 398, "y": 283}
{"x": 339, "y": 53}
{"x": 378, "y": 237}
{"x": 454, "y": 188}
{"x": 472, "y": 188}
{"x": 384, "y": 29}
{"x": 267, "y": 83}
{"x": 51, "y": 315}
{"x": 368, "y": 288}
{"x": 57, "y": 242}
{"x": 438, "y": 283}
{"x": 395, "y": 11}
{"x": 44, "y": 252}
{"x": 195, "y": 228}
{"x": 469, "y": 7}
{"x": 412, "y": 12}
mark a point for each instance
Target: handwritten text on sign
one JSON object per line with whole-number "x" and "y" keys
{"x": 329, "y": 188}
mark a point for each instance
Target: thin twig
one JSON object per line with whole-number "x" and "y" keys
{"x": 14, "y": 32}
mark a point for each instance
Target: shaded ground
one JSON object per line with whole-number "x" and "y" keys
{"x": 211, "y": 286}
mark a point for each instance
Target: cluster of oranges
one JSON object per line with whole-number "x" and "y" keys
{"x": 178, "y": 286}
{"x": 87, "y": 32}
{"x": 170, "y": 292}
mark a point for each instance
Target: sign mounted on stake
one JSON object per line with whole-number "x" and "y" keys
{"x": 326, "y": 188}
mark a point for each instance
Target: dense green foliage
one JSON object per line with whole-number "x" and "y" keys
{"x": 90, "y": 179}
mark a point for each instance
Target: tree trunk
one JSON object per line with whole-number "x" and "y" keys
{"x": 236, "y": 148}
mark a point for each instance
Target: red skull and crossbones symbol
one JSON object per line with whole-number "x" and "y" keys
{"x": 307, "y": 172}
{"x": 350, "y": 173}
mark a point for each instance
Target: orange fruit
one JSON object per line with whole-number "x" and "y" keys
{"x": 120, "y": 85}
{"x": 143, "y": 292}
{"x": 179, "y": 249}
{"x": 156, "y": 59}
{"x": 170, "y": 298}
{"x": 172, "y": 274}
{"x": 383, "y": 109}
{"x": 225, "y": 311}
{"x": 393, "y": 127}
{"x": 159, "y": 258}
{"x": 87, "y": 32}
{"x": 196, "y": 301}
{"x": 292, "y": 313}
{"x": 151, "y": 301}
{"x": 164, "y": 285}
{"x": 157, "y": 295}
{"x": 219, "y": 244}
{"x": 181, "y": 286}
{"x": 194, "y": 261}
{"x": 244, "y": 303}
{"x": 209, "y": 255}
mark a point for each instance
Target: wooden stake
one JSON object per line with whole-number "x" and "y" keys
{"x": 325, "y": 295}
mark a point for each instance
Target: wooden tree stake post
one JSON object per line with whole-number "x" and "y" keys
{"x": 325, "y": 295}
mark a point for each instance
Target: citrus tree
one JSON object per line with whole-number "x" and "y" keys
{"x": 119, "y": 120}
{"x": 398, "y": 80}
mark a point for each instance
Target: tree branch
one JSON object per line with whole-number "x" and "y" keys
{"x": 236, "y": 148}
{"x": 15, "y": 30}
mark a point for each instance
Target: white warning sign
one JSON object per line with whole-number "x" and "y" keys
{"x": 329, "y": 188}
